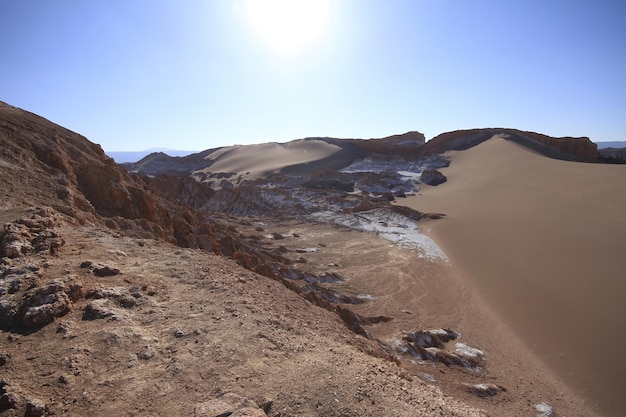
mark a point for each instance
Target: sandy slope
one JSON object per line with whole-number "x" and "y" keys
{"x": 255, "y": 160}
{"x": 543, "y": 240}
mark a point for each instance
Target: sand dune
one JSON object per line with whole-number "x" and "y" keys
{"x": 252, "y": 161}
{"x": 543, "y": 240}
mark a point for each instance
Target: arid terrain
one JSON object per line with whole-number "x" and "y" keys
{"x": 260, "y": 289}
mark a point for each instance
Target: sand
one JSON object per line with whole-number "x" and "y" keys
{"x": 253, "y": 161}
{"x": 542, "y": 241}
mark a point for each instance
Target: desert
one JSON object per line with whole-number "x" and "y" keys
{"x": 476, "y": 274}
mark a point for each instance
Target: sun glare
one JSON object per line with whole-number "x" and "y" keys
{"x": 289, "y": 26}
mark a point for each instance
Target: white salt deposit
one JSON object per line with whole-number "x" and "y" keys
{"x": 388, "y": 225}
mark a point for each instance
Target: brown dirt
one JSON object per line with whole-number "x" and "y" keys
{"x": 202, "y": 327}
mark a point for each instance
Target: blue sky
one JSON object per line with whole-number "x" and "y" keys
{"x": 138, "y": 74}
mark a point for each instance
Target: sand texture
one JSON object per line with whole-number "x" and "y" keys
{"x": 543, "y": 240}
{"x": 252, "y": 161}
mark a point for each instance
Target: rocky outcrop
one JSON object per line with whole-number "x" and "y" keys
{"x": 431, "y": 345}
{"x": 31, "y": 234}
{"x": 36, "y": 306}
{"x": 42, "y": 305}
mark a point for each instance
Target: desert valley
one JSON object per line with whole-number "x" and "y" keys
{"x": 480, "y": 273}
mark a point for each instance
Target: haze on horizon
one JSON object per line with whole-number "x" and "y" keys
{"x": 202, "y": 74}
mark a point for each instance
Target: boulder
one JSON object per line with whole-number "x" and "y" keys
{"x": 432, "y": 177}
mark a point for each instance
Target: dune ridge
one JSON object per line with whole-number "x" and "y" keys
{"x": 543, "y": 240}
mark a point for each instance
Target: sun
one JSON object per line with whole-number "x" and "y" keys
{"x": 288, "y": 26}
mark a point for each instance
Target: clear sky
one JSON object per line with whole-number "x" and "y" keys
{"x": 193, "y": 75}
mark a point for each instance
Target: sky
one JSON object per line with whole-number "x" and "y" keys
{"x": 193, "y": 75}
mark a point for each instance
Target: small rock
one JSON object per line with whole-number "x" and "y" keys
{"x": 545, "y": 410}
{"x": 86, "y": 264}
{"x": 4, "y": 358}
{"x": 8, "y": 399}
{"x": 147, "y": 353}
{"x": 485, "y": 390}
{"x": 179, "y": 333}
{"x": 98, "y": 309}
{"x": 99, "y": 269}
{"x": 35, "y": 408}
{"x": 426, "y": 377}
{"x": 104, "y": 270}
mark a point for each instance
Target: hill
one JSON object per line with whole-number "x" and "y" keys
{"x": 122, "y": 157}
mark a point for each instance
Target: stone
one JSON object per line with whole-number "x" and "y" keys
{"x": 8, "y": 398}
{"x": 99, "y": 309}
{"x": 35, "y": 408}
{"x": 103, "y": 270}
{"x": 432, "y": 177}
{"x": 485, "y": 390}
{"x": 41, "y": 305}
{"x": 545, "y": 410}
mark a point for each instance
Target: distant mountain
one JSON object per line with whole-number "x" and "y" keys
{"x": 614, "y": 144}
{"x": 134, "y": 156}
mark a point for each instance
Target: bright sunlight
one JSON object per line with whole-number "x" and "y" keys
{"x": 289, "y": 26}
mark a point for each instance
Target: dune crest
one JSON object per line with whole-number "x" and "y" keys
{"x": 253, "y": 161}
